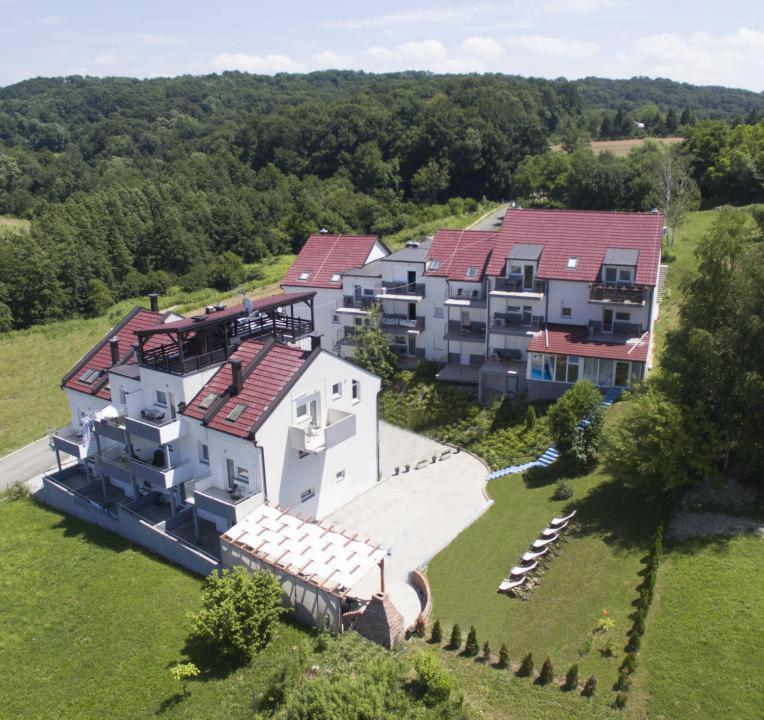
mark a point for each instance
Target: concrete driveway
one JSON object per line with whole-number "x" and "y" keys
{"x": 416, "y": 513}
{"x": 27, "y": 462}
{"x": 491, "y": 221}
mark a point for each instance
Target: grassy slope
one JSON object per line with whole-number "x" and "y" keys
{"x": 398, "y": 240}
{"x": 33, "y": 361}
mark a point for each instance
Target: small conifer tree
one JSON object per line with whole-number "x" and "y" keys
{"x": 504, "y": 656}
{"x": 571, "y": 678}
{"x": 437, "y": 633}
{"x": 630, "y": 663}
{"x": 486, "y": 652}
{"x": 530, "y": 417}
{"x": 547, "y": 672}
{"x": 456, "y": 638}
{"x": 471, "y": 646}
{"x": 526, "y": 667}
{"x": 590, "y": 687}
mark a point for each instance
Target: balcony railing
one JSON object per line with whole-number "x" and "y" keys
{"x": 469, "y": 296}
{"x": 395, "y": 289}
{"x": 402, "y": 322}
{"x": 112, "y": 428}
{"x": 357, "y": 303}
{"x": 160, "y": 477}
{"x": 620, "y": 332}
{"x": 155, "y": 427}
{"x": 513, "y": 323}
{"x": 315, "y": 439}
{"x": 231, "y": 505}
{"x": 612, "y": 292}
{"x": 474, "y": 332}
{"x": 68, "y": 441}
{"x": 518, "y": 285}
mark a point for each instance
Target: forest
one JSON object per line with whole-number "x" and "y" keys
{"x": 132, "y": 185}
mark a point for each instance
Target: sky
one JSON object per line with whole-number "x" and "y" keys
{"x": 696, "y": 41}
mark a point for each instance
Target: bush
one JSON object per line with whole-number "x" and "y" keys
{"x": 571, "y": 678}
{"x": 639, "y": 624}
{"x": 226, "y": 271}
{"x": 437, "y": 633}
{"x": 323, "y": 636}
{"x": 547, "y": 672}
{"x": 17, "y": 491}
{"x": 240, "y": 611}
{"x": 582, "y": 401}
{"x": 562, "y": 490}
{"x": 634, "y": 643}
{"x": 456, "y": 638}
{"x": 590, "y": 687}
{"x": 486, "y": 652}
{"x": 629, "y": 664}
{"x": 624, "y": 682}
{"x": 526, "y": 667}
{"x": 530, "y": 417}
{"x": 504, "y": 656}
{"x": 420, "y": 626}
{"x": 100, "y": 298}
{"x": 586, "y": 648}
{"x": 471, "y": 646}
{"x": 610, "y": 648}
{"x": 620, "y": 701}
{"x": 182, "y": 673}
{"x": 433, "y": 678}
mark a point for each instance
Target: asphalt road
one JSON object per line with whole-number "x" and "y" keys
{"x": 26, "y": 462}
{"x": 490, "y": 222}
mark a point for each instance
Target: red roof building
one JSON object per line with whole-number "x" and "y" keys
{"x": 460, "y": 254}
{"x": 268, "y": 370}
{"x": 583, "y": 235}
{"x": 323, "y": 258}
{"x": 574, "y": 340}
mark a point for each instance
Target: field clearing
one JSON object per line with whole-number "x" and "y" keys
{"x": 11, "y": 223}
{"x": 620, "y": 148}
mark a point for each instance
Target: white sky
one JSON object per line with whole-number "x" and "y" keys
{"x": 694, "y": 41}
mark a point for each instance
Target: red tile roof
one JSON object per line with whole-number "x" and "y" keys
{"x": 586, "y": 235}
{"x": 99, "y": 358}
{"x": 322, "y": 256}
{"x": 458, "y": 250}
{"x": 574, "y": 340}
{"x": 277, "y": 365}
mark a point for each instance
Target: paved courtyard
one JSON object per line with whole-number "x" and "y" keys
{"x": 414, "y": 514}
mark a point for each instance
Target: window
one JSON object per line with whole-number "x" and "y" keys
{"x": 122, "y": 397}
{"x": 573, "y": 368}
{"x": 302, "y": 411}
{"x": 337, "y": 391}
{"x": 566, "y": 312}
{"x": 340, "y": 476}
{"x": 89, "y": 376}
{"x": 358, "y": 322}
{"x": 368, "y": 291}
{"x": 567, "y": 368}
{"x": 438, "y": 311}
{"x": 611, "y": 274}
{"x": 515, "y": 270}
{"x": 306, "y": 495}
{"x": 471, "y": 272}
{"x": 624, "y": 275}
{"x": 335, "y": 277}
{"x": 572, "y": 263}
{"x": 561, "y": 368}
{"x": 513, "y": 308}
{"x": 335, "y": 319}
{"x": 161, "y": 397}
{"x": 204, "y": 454}
{"x": 434, "y": 264}
{"x": 624, "y": 316}
{"x": 356, "y": 391}
{"x": 304, "y": 275}
{"x": 242, "y": 474}
{"x": 211, "y": 397}
{"x": 233, "y": 416}
{"x": 399, "y": 340}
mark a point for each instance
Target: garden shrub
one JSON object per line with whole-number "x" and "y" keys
{"x": 620, "y": 701}
{"x": 435, "y": 681}
{"x": 471, "y": 646}
{"x": 582, "y": 401}
{"x": 562, "y": 490}
{"x": 547, "y": 672}
{"x": 504, "y": 656}
{"x": 629, "y": 664}
{"x": 486, "y": 652}
{"x": 323, "y": 636}
{"x": 526, "y": 666}
{"x": 585, "y": 649}
{"x": 571, "y": 678}
{"x": 437, "y": 633}
{"x": 590, "y": 686}
{"x": 610, "y": 648}
{"x": 240, "y": 612}
{"x": 182, "y": 673}
{"x": 639, "y": 624}
{"x": 634, "y": 643}
{"x": 624, "y": 682}
{"x": 456, "y": 638}
{"x": 530, "y": 417}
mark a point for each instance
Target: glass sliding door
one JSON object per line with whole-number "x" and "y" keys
{"x": 622, "y": 374}
{"x": 591, "y": 365}
{"x": 605, "y": 373}
{"x": 607, "y": 321}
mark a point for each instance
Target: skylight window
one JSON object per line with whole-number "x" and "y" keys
{"x": 471, "y": 272}
{"x": 204, "y": 404}
{"x": 434, "y": 264}
{"x": 233, "y": 416}
{"x": 335, "y": 277}
{"x": 89, "y": 376}
{"x": 304, "y": 275}
{"x": 572, "y": 263}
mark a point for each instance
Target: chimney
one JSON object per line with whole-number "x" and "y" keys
{"x": 154, "y": 300}
{"x": 114, "y": 347}
{"x": 315, "y": 342}
{"x": 236, "y": 380}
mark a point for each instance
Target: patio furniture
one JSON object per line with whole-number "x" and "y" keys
{"x": 515, "y": 588}
{"x": 549, "y": 532}
{"x": 537, "y": 556}
{"x": 519, "y": 570}
{"x": 554, "y": 522}
{"x": 538, "y": 544}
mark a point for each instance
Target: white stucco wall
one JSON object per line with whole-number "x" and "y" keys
{"x": 81, "y": 404}
{"x": 325, "y": 303}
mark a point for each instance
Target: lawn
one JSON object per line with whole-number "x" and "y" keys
{"x": 33, "y": 361}
{"x": 703, "y": 651}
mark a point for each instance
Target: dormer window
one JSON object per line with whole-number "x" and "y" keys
{"x": 335, "y": 277}
{"x": 304, "y": 275}
{"x": 434, "y": 264}
{"x": 572, "y": 263}
{"x": 472, "y": 272}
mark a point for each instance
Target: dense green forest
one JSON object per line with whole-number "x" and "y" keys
{"x": 136, "y": 184}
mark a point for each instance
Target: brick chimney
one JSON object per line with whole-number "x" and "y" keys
{"x": 154, "y": 300}
{"x": 236, "y": 379}
{"x": 114, "y": 347}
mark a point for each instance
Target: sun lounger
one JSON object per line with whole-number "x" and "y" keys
{"x": 523, "y": 569}
{"x": 554, "y": 522}
{"x": 548, "y": 532}
{"x": 531, "y": 556}
{"x": 507, "y": 585}
{"x": 538, "y": 544}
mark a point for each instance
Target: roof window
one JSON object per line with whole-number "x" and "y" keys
{"x": 233, "y": 416}
{"x": 434, "y": 264}
{"x": 89, "y": 376}
{"x": 336, "y": 277}
{"x": 471, "y": 271}
{"x": 204, "y": 404}
{"x": 304, "y": 275}
{"x": 572, "y": 263}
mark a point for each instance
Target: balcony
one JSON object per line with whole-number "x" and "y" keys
{"x": 154, "y": 426}
{"x": 615, "y": 293}
{"x": 398, "y": 323}
{"x": 115, "y": 464}
{"x": 515, "y": 324}
{"x": 230, "y": 505}
{"x": 466, "y": 298}
{"x": 69, "y": 441}
{"x": 351, "y": 302}
{"x": 314, "y": 439}
{"x": 620, "y": 333}
{"x": 474, "y": 332}
{"x": 516, "y": 286}
{"x": 111, "y": 428}
{"x": 160, "y": 478}
{"x": 400, "y": 290}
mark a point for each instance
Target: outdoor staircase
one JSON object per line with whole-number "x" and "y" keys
{"x": 551, "y": 453}
{"x": 662, "y": 277}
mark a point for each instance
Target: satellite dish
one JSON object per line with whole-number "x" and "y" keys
{"x": 247, "y": 306}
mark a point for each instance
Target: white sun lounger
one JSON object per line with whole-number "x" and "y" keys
{"x": 522, "y": 569}
{"x": 554, "y": 522}
{"x": 506, "y": 585}
{"x": 549, "y": 532}
{"x": 531, "y": 556}
{"x": 537, "y": 544}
